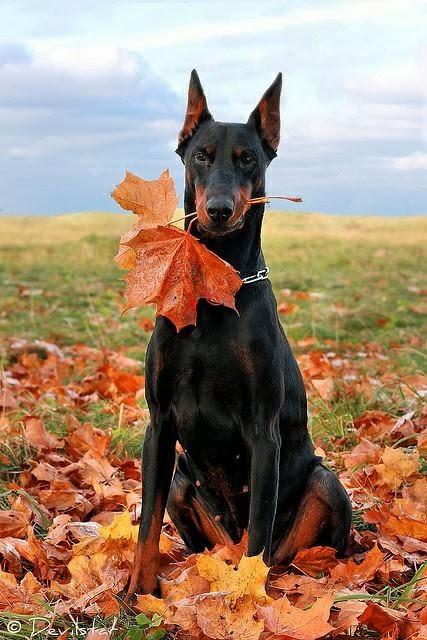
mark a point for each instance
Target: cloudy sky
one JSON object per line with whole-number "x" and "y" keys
{"x": 88, "y": 89}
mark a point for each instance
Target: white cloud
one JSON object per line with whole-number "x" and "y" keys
{"x": 395, "y": 83}
{"x": 348, "y": 13}
{"x": 416, "y": 161}
{"x": 89, "y": 61}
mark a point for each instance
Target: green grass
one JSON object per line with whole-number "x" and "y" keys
{"x": 59, "y": 281}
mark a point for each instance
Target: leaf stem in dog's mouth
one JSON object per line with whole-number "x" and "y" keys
{"x": 187, "y": 215}
{"x": 259, "y": 200}
{"x": 266, "y": 199}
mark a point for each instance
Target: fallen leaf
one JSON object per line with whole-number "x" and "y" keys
{"x": 354, "y": 574}
{"x": 13, "y": 523}
{"x": 247, "y": 579}
{"x": 98, "y": 634}
{"x": 86, "y": 438}
{"x": 283, "y": 619}
{"x": 316, "y": 560}
{"x": 150, "y": 604}
{"x": 121, "y": 527}
{"x": 374, "y": 425}
{"x": 324, "y": 387}
{"x": 187, "y": 584}
{"x": 349, "y": 613}
{"x": 24, "y": 598}
{"x": 363, "y": 453}
{"x": 413, "y": 502}
{"x": 218, "y": 619}
{"x": 397, "y": 466}
{"x": 38, "y": 437}
{"x": 383, "y": 619}
{"x": 402, "y": 526}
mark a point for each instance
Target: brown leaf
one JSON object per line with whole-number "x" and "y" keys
{"x": 293, "y": 584}
{"x": 87, "y": 438}
{"x": 38, "y": 437}
{"x": 413, "y": 502}
{"x": 13, "y": 523}
{"x": 351, "y": 573}
{"x": 316, "y": 560}
{"x": 174, "y": 271}
{"x": 189, "y": 583}
{"x": 95, "y": 580}
{"x": 324, "y": 387}
{"x": 217, "y": 619}
{"x": 374, "y": 425}
{"x": 381, "y": 618}
{"x": 348, "y": 616}
{"x": 365, "y": 452}
{"x": 98, "y": 634}
{"x": 283, "y": 619}
{"x": 402, "y": 526}
{"x": 24, "y": 598}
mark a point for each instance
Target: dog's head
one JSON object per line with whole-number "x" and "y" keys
{"x": 225, "y": 163}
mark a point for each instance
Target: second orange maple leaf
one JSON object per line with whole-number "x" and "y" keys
{"x": 174, "y": 270}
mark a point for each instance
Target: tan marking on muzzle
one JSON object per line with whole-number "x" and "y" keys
{"x": 202, "y": 214}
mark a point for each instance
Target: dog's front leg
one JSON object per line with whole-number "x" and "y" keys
{"x": 158, "y": 459}
{"x": 264, "y": 474}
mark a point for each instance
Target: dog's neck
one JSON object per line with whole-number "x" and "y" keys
{"x": 242, "y": 248}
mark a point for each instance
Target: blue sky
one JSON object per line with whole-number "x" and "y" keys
{"x": 88, "y": 89}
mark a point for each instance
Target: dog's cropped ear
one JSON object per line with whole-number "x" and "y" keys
{"x": 197, "y": 112}
{"x": 266, "y": 117}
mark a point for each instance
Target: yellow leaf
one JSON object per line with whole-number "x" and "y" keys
{"x": 396, "y": 466}
{"x": 150, "y": 604}
{"x": 121, "y": 527}
{"x": 247, "y": 579}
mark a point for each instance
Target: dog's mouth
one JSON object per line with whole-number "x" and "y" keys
{"x": 220, "y": 228}
{"x": 221, "y": 213}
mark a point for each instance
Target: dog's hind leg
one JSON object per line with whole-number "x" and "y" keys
{"x": 323, "y": 517}
{"x": 193, "y": 516}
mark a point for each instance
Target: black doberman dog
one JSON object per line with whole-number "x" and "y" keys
{"x": 229, "y": 389}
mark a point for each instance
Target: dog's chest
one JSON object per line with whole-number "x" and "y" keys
{"x": 216, "y": 373}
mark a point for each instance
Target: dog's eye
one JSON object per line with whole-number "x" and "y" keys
{"x": 246, "y": 159}
{"x": 201, "y": 157}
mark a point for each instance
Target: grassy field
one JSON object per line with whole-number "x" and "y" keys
{"x": 58, "y": 280}
{"x": 341, "y": 280}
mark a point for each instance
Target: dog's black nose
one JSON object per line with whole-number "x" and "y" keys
{"x": 219, "y": 209}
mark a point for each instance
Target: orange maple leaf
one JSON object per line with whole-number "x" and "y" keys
{"x": 355, "y": 574}
{"x": 396, "y": 466}
{"x": 316, "y": 560}
{"x": 154, "y": 200}
{"x": 283, "y": 619}
{"x": 174, "y": 270}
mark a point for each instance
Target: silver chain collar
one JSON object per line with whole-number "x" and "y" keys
{"x": 262, "y": 274}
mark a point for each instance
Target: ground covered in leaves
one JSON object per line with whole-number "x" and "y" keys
{"x": 73, "y": 415}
